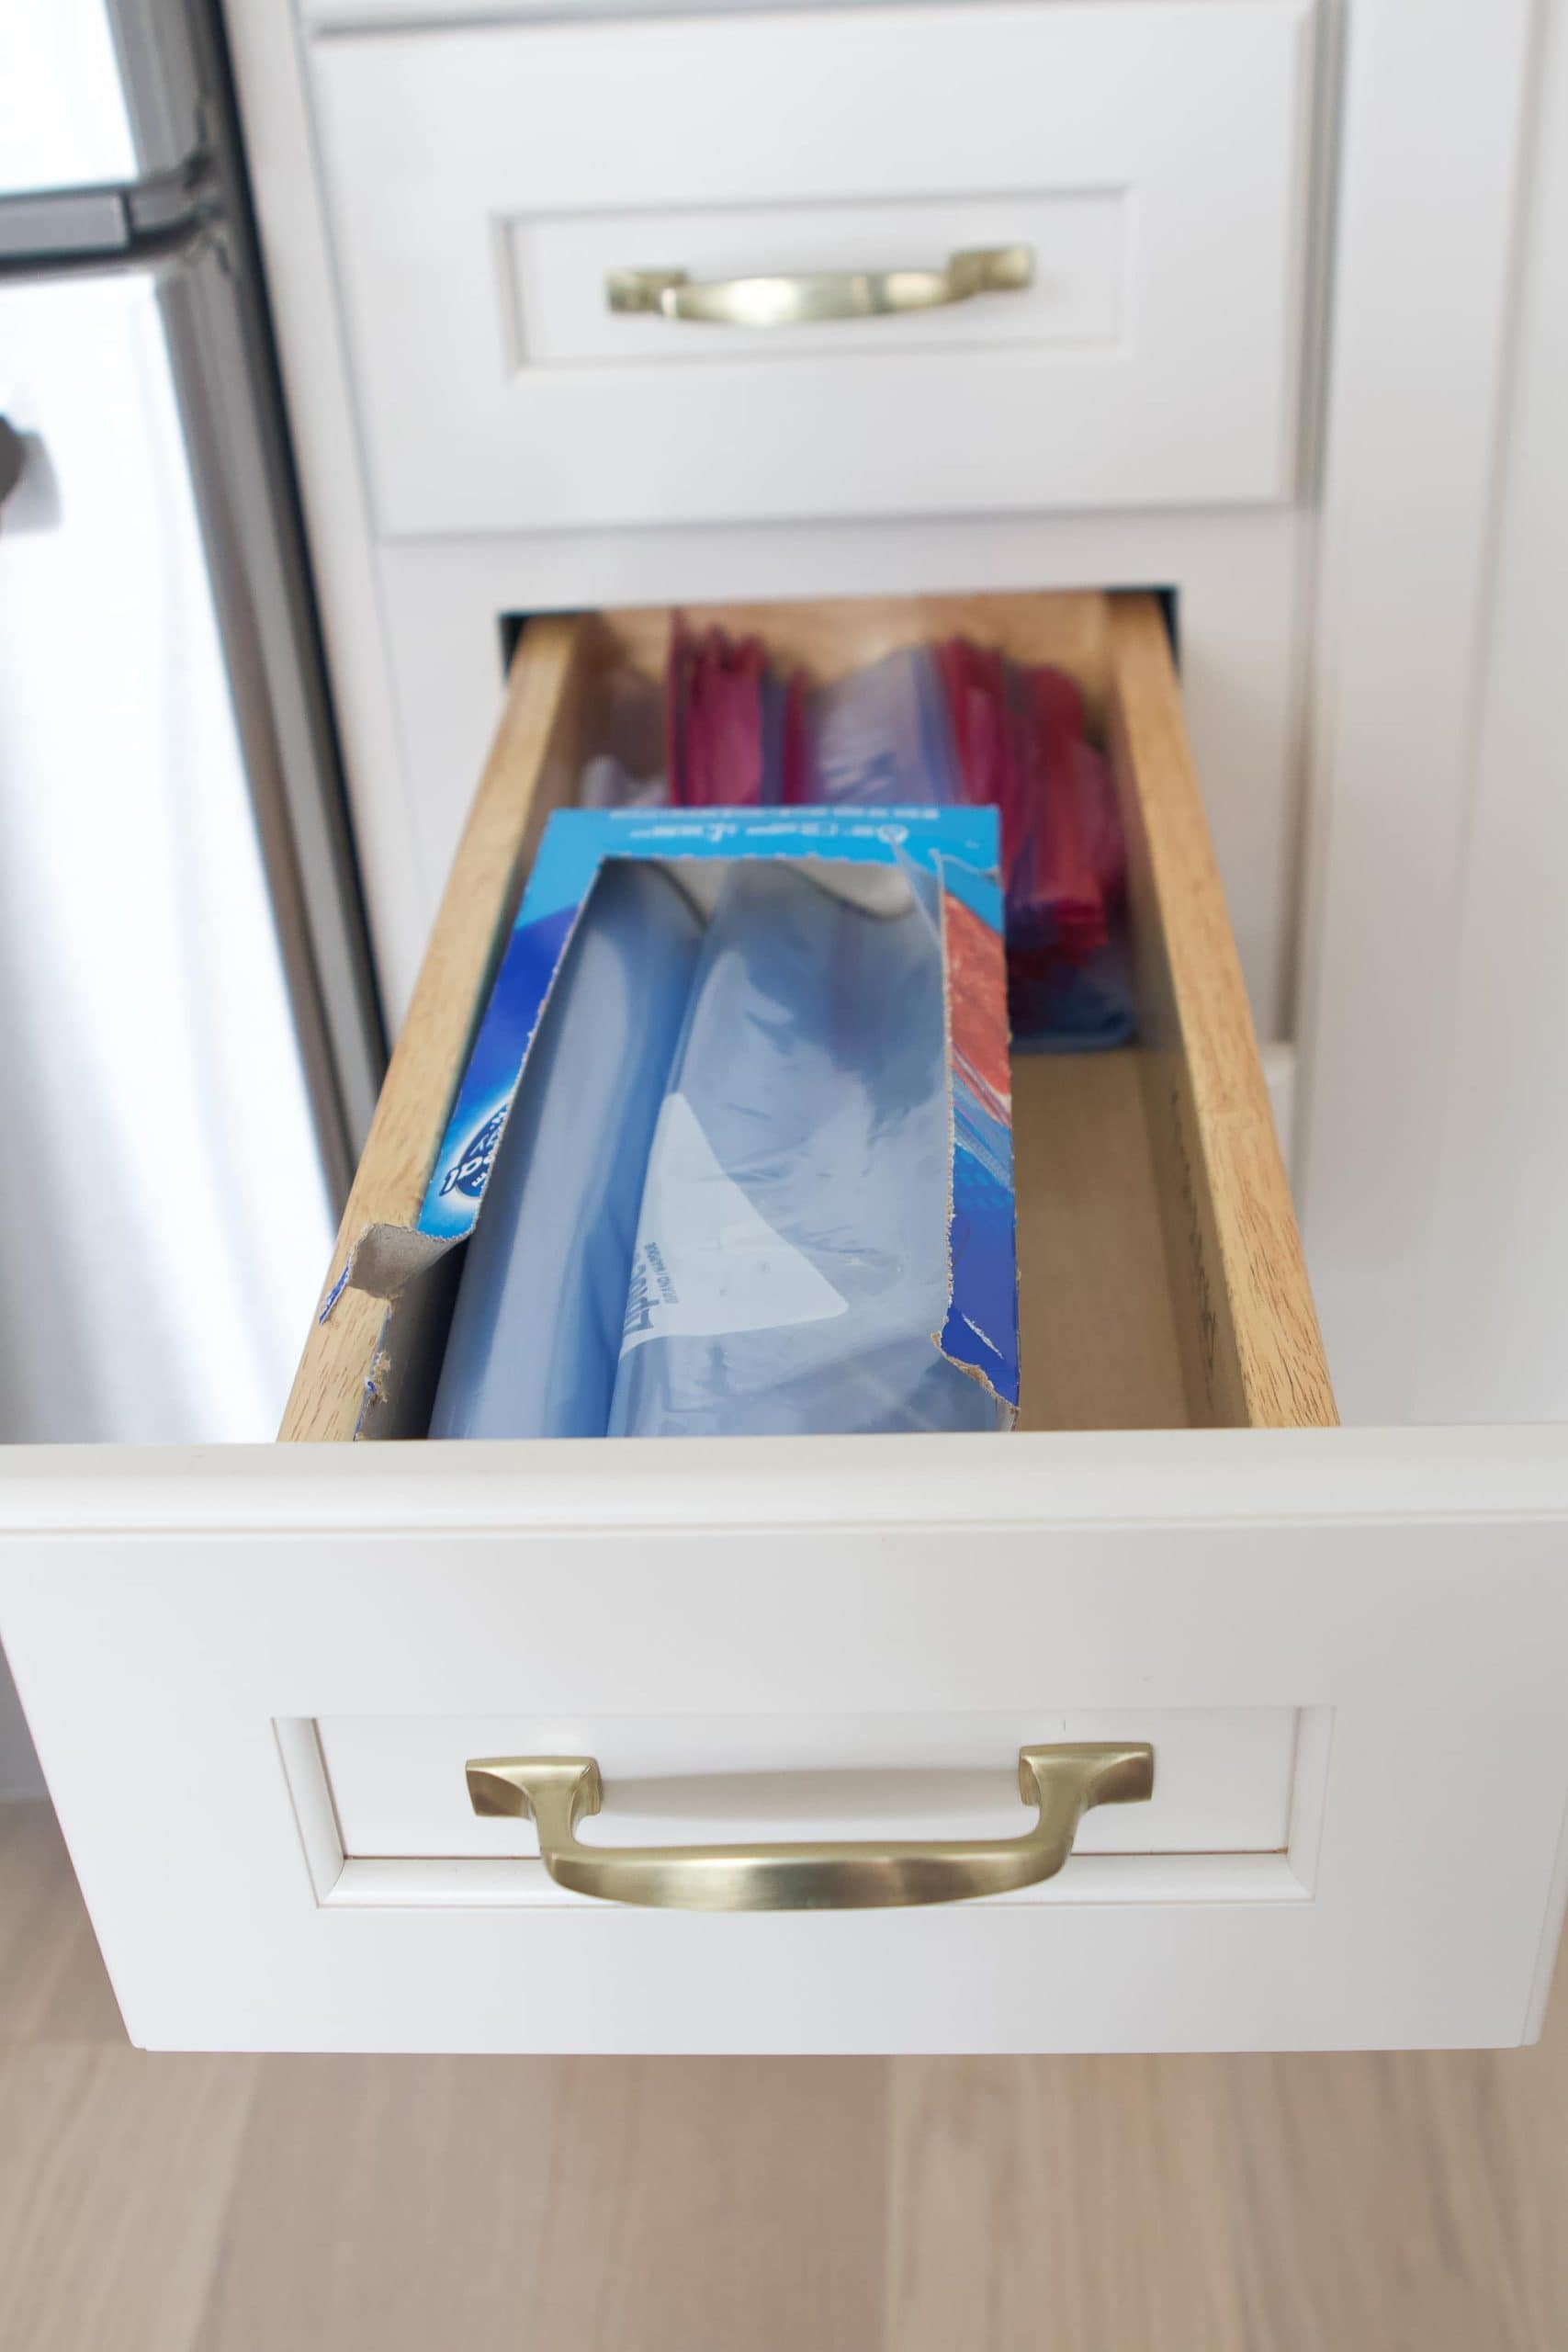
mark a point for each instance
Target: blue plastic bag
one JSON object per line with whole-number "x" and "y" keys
{"x": 1074, "y": 1008}
{"x": 537, "y": 1329}
{"x": 791, "y": 1267}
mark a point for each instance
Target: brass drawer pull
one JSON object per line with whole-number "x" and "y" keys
{"x": 810, "y": 297}
{"x": 558, "y": 1791}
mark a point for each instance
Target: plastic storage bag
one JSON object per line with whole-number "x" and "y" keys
{"x": 537, "y": 1329}
{"x": 791, "y": 1269}
{"x": 931, "y": 726}
{"x": 733, "y": 732}
{"x": 882, "y": 737}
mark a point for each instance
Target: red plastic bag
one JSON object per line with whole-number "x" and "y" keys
{"x": 734, "y": 731}
{"x": 1021, "y": 749}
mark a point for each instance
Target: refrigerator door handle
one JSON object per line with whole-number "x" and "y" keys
{"x": 123, "y": 225}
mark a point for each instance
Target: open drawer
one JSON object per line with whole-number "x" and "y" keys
{"x": 256, "y": 1676}
{"x": 1161, "y": 1274}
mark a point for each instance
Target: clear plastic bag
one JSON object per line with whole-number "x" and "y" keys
{"x": 791, "y": 1268}
{"x": 929, "y": 726}
{"x": 536, "y": 1329}
{"x": 882, "y": 739}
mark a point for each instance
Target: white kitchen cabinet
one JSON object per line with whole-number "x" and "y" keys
{"x": 256, "y": 1675}
{"x": 1335, "y": 639}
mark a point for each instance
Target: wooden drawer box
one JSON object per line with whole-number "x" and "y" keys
{"x": 1161, "y": 1273}
{"x": 255, "y": 1674}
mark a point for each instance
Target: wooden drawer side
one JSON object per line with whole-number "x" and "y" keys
{"x": 533, "y": 768}
{"x": 1252, "y": 1352}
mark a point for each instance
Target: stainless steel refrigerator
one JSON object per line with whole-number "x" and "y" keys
{"x": 189, "y": 1038}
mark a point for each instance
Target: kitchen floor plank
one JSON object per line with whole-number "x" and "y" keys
{"x": 1066, "y": 2205}
{"x": 1348, "y": 2202}
{"x": 115, "y": 2177}
{"x": 53, "y": 1986}
{"x": 621, "y": 2205}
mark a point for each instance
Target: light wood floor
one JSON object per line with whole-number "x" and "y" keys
{"x": 1355, "y": 2204}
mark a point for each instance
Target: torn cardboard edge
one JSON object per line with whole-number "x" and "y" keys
{"x": 413, "y": 1268}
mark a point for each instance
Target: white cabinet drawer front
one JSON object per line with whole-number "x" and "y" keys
{"x": 483, "y": 182}
{"x": 167, "y": 1615}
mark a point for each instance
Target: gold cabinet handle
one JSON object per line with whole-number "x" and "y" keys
{"x": 810, "y": 297}
{"x": 557, "y": 1791}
